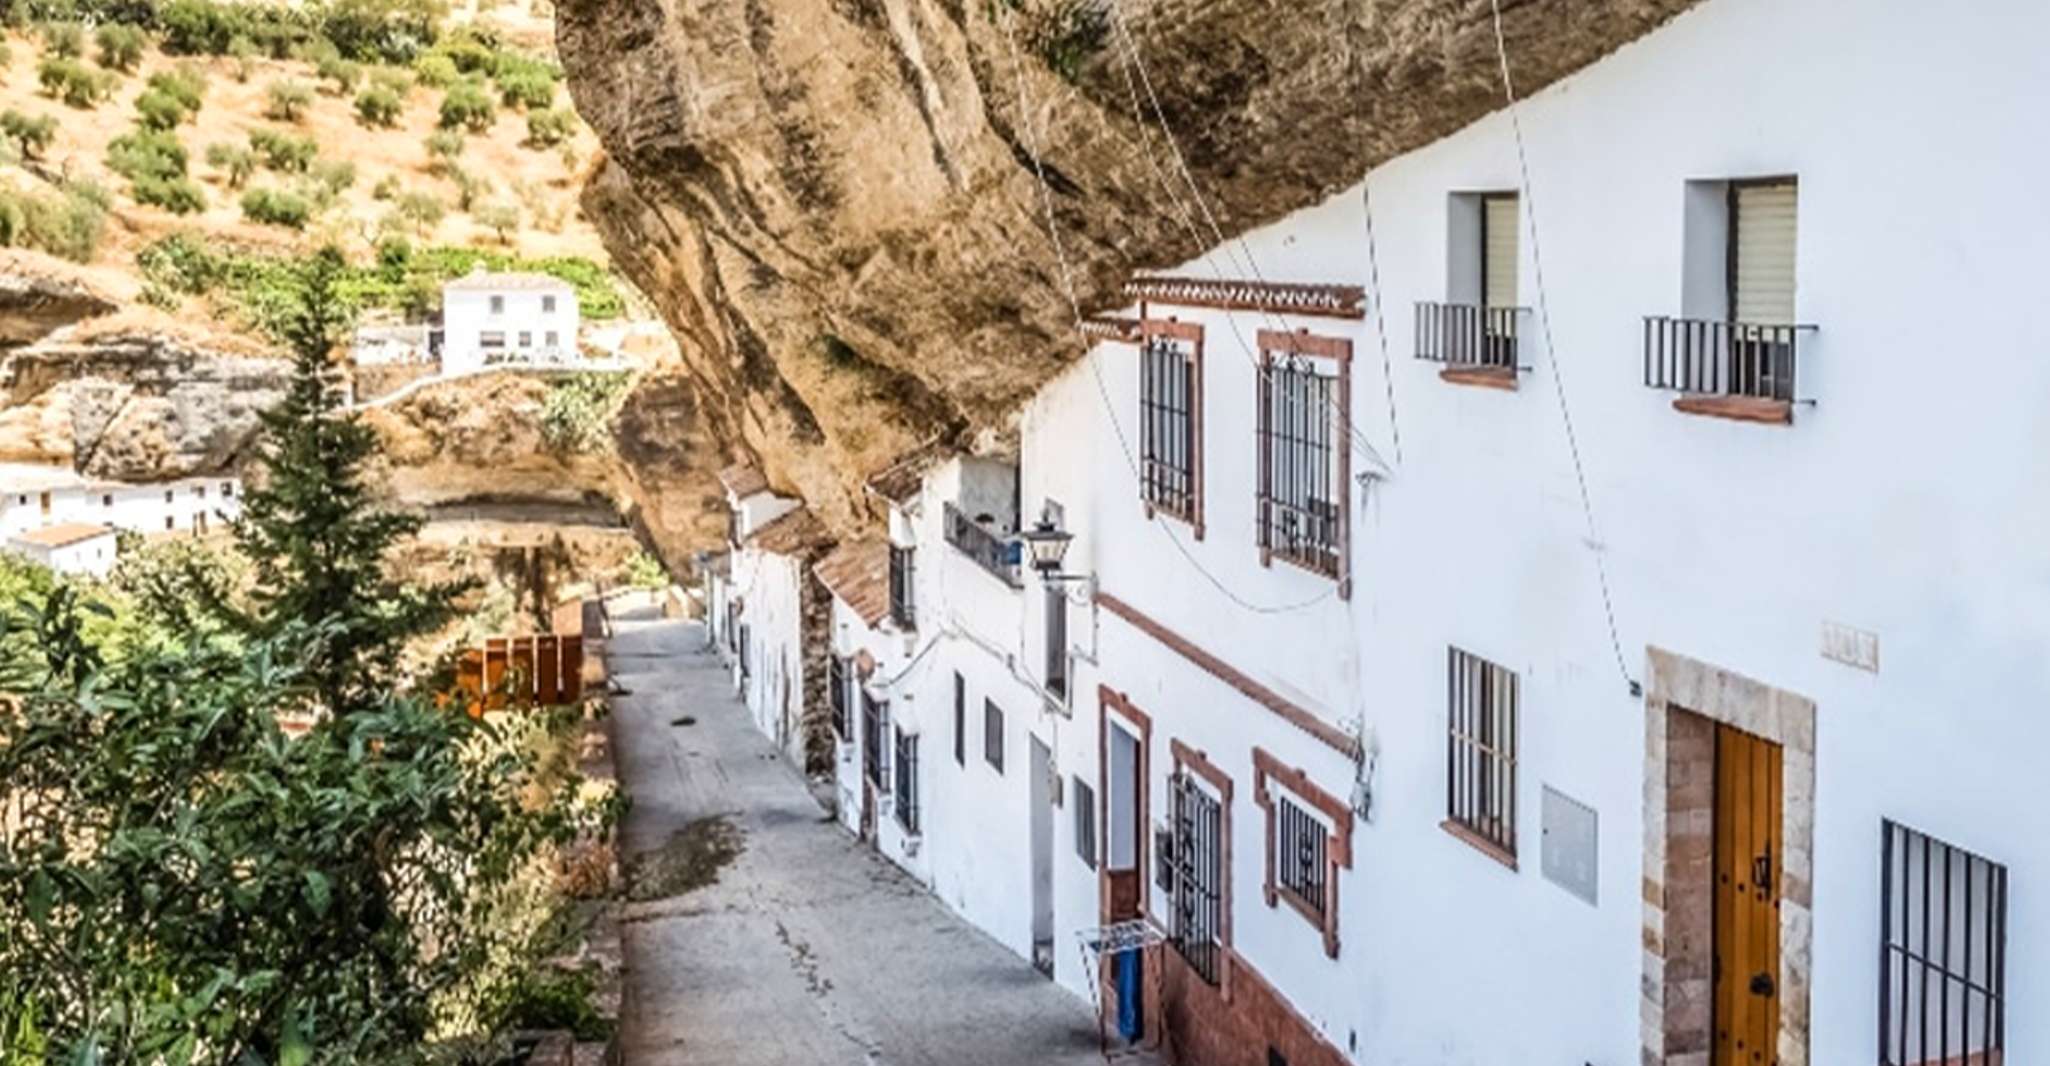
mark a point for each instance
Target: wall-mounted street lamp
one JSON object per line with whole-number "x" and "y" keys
{"x": 1048, "y": 546}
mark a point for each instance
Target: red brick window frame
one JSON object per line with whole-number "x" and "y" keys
{"x": 1171, "y": 419}
{"x": 1197, "y": 764}
{"x": 1304, "y": 439}
{"x": 1271, "y": 775}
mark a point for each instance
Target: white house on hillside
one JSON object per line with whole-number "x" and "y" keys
{"x": 493, "y": 318}
{"x": 34, "y": 496}
{"x": 1619, "y": 647}
{"x": 68, "y": 548}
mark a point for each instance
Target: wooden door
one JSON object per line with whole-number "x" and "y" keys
{"x": 1747, "y": 899}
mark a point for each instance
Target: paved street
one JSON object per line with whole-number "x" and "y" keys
{"x": 809, "y": 950}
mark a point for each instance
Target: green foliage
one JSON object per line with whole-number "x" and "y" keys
{"x": 501, "y": 219}
{"x": 233, "y": 160}
{"x": 120, "y": 46}
{"x": 547, "y": 128}
{"x": 344, "y": 74}
{"x": 330, "y": 178}
{"x": 576, "y": 413}
{"x": 554, "y": 999}
{"x": 276, "y": 207}
{"x": 378, "y": 106}
{"x": 435, "y": 70}
{"x": 282, "y": 151}
{"x": 31, "y": 134}
{"x": 185, "y": 83}
{"x": 287, "y": 100}
{"x": 524, "y": 82}
{"x": 181, "y": 263}
{"x": 469, "y": 188}
{"x": 423, "y": 210}
{"x": 244, "y": 52}
{"x": 465, "y": 106}
{"x": 444, "y": 149}
{"x": 73, "y": 82}
{"x": 154, "y": 163}
{"x": 178, "y": 195}
{"x": 68, "y": 223}
{"x": 63, "y": 40}
{"x": 644, "y": 571}
{"x": 157, "y": 110}
{"x": 386, "y": 188}
{"x": 394, "y": 80}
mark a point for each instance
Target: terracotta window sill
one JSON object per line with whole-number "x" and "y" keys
{"x": 1738, "y": 408}
{"x": 1480, "y": 843}
{"x": 1490, "y": 377}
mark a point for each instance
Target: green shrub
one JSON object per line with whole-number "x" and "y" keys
{"x": 68, "y": 224}
{"x": 578, "y": 408}
{"x": 467, "y": 107}
{"x": 435, "y": 70}
{"x": 444, "y": 150}
{"x": 423, "y": 210}
{"x": 177, "y": 195}
{"x": 345, "y": 74}
{"x": 30, "y": 133}
{"x": 548, "y": 128}
{"x": 147, "y": 153}
{"x": 287, "y": 100}
{"x": 501, "y": 219}
{"x": 64, "y": 40}
{"x": 274, "y": 207}
{"x": 181, "y": 263}
{"x": 395, "y": 80}
{"x": 73, "y": 82}
{"x": 525, "y": 83}
{"x": 159, "y": 111}
{"x": 244, "y": 52}
{"x": 185, "y": 83}
{"x": 386, "y": 187}
{"x": 469, "y": 188}
{"x": 232, "y": 160}
{"x": 282, "y": 151}
{"x": 120, "y": 46}
{"x": 472, "y": 50}
{"x": 332, "y": 177}
{"x": 378, "y": 106}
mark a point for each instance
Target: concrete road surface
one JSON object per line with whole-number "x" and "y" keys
{"x": 809, "y": 950}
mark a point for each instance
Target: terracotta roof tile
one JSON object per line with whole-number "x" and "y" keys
{"x": 859, "y": 573}
{"x": 743, "y": 480}
{"x": 62, "y": 534}
{"x": 899, "y": 482}
{"x": 795, "y": 533}
{"x": 1338, "y": 301}
{"x": 484, "y": 281}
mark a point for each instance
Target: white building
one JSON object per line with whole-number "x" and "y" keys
{"x": 501, "y": 318}
{"x": 35, "y": 497}
{"x": 69, "y": 548}
{"x": 1640, "y": 666}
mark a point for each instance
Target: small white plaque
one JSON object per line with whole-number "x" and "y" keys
{"x": 1850, "y": 646}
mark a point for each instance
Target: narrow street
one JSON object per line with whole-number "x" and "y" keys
{"x": 809, "y": 950}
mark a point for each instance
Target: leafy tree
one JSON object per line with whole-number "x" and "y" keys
{"x": 288, "y": 100}
{"x": 69, "y": 224}
{"x": 436, "y": 71}
{"x": 120, "y": 46}
{"x": 177, "y": 195}
{"x": 578, "y": 409}
{"x": 73, "y": 82}
{"x": 547, "y": 128}
{"x": 465, "y": 106}
{"x": 158, "y": 110}
{"x": 233, "y": 160}
{"x": 526, "y": 83}
{"x": 469, "y": 188}
{"x": 392, "y": 79}
{"x": 31, "y": 133}
{"x": 444, "y": 150}
{"x": 185, "y": 83}
{"x": 423, "y": 210}
{"x": 63, "y": 40}
{"x": 501, "y": 219}
{"x": 378, "y": 106}
{"x": 282, "y": 151}
{"x": 244, "y": 52}
{"x": 275, "y": 207}
{"x": 343, "y": 73}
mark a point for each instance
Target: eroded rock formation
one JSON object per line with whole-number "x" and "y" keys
{"x": 841, "y": 206}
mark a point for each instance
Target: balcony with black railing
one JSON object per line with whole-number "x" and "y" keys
{"x": 1739, "y": 370}
{"x": 1478, "y": 345}
{"x": 1002, "y": 554}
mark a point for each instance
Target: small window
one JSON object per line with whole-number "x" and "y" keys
{"x": 1085, "y": 822}
{"x": 491, "y": 338}
{"x": 170, "y": 522}
{"x": 874, "y": 718}
{"x": 548, "y": 307}
{"x": 526, "y": 338}
{"x": 1170, "y": 396}
{"x": 227, "y": 490}
{"x": 1481, "y": 762}
{"x": 907, "y": 782}
{"x": 1196, "y": 910}
{"x": 1300, "y": 868}
{"x": 993, "y": 735}
{"x": 169, "y": 497}
{"x": 960, "y": 721}
{"x": 1057, "y": 642}
{"x": 498, "y": 305}
{"x": 199, "y": 491}
{"x": 553, "y": 339}
{"x": 1943, "y": 950}
{"x": 903, "y": 574}
{"x": 107, "y": 500}
{"x": 836, "y": 694}
{"x": 1303, "y": 451}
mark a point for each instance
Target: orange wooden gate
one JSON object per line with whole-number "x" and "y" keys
{"x": 530, "y": 671}
{"x": 1747, "y": 899}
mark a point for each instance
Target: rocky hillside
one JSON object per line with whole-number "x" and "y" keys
{"x": 838, "y": 203}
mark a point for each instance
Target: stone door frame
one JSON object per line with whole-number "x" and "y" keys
{"x": 1679, "y": 838}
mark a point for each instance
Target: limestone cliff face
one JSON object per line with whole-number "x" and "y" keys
{"x": 839, "y": 207}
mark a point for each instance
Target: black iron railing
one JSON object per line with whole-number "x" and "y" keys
{"x": 1196, "y": 899}
{"x": 1299, "y": 855}
{"x": 1298, "y": 518}
{"x": 873, "y": 753}
{"x": 1704, "y": 356}
{"x": 1943, "y": 953}
{"x": 1480, "y": 772}
{"x": 998, "y": 554}
{"x": 907, "y": 782}
{"x": 1469, "y": 335}
{"x": 1167, "y": 428}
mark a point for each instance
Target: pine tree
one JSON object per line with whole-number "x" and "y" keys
{"x": 317, "y": 542}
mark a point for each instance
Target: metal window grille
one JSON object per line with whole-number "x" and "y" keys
{"x": 872, "y": 752}
{"x": 907, "y": 782}
{"x": 960, "y": 721}
{"x": 836, "y": 692}
{"x": 1167, "y": 427}
{"x": 1710, "y": 357}
{"x": 1480, "y": 784}
{"x": 1299, "y": 516}
{"x": 1197, "y": 904}
{"x": 1085, "y": 822}
{"x": 1943, "y": 954}
{"x": 903, "y": 567}
{"x": 1468, "y": 335}
{"x": 993, "y": 735}
{"x": 1299, "y": 842}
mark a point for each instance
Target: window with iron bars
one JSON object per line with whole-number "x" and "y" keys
{"x": 1299, "y": 866}
{"x": 873, "y": 754}
{"x": 903, "y": 568}
{"x": 1196, "y": 902}
{"x": 1480, "y": 782}
{"x": 837, "y": 677}
{"x": 907, "y": 782}
{"x": 1170, "y": 393}
{"x": 1301, "y": 513}
{"x": 1942, "y": 979}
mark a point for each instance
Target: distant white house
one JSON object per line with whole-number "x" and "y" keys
{"x": 69, "y": 548}
{"x": 493, "y": 318}
{"x": 34, "y": 496}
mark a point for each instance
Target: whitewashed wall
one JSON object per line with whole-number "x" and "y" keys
{"x": 467, "y": 314}
{"x": 140, "y": 508}
{"x": 91, "y": 557}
